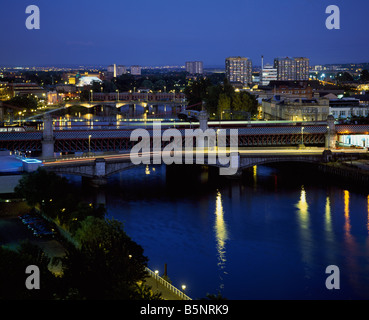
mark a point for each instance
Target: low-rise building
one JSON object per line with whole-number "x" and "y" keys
{"x": 289, "y": 89}
{"x": 23, "y": 89}
{"x": 295, "y": 109}
{"x": 5, "y": 92}
{"x": 346, "y": 108}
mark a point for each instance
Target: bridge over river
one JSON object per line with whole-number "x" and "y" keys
{"x": 318, "y": 142}
{"x": 116, "y": 137}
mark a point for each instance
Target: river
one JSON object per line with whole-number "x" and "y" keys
{"x": 269, "y": 235}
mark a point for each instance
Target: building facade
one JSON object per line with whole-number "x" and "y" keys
{"x": 121, "y": 70}
{"x": 194, "y": 67}
{"x": 239, "y": 70}
{"x": 290, "y": 69}
{"x": 346, "y": 108}
{"x": 136, "y": 70}
{"x": 286, "y": 68}
{"x": 267, "y": 74}
{"x": 296, "y": 109}
{"x": 302, "y": 68}
{"x": 112, "y": 70}
{"x": 292, "y": 89}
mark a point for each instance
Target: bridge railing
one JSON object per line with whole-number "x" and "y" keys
{"x": 166, "y": 284}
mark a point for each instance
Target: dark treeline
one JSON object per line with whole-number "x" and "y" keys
{"x": 221, "y": 100}
{"x": 101, "y": 260}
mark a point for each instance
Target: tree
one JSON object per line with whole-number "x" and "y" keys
{"x": 55, "y": 197}
{"x": 224, "y": 103}
{"x": 364, "y": 76}
{"x": 244, "y": 102}
{"x": 27, "y": 102}
{"x": 159, "y": 85}
{"x": 345, "y": 77}
{"x": 212, "y": 99}
{"x": 13, "y": 264}
{"x": 147, "y": 84}
{"x": 74, "y": 216}
{"x": 107, "y": 264}
{"x": 197, "y": 92}
{"x": 46, "y": 190}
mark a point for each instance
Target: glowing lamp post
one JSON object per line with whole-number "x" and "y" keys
{"x": 89, "y": 144}
{"x": 302, "y": 135}
{"x": 156, "y": 274}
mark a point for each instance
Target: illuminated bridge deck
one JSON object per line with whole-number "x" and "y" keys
{"x": 119, "y": 139}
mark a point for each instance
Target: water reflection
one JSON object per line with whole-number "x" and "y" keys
{"x": 352, "y": 250}
{"x": 174, "y": 227}
{"x": 303, "y": 207}
{"x": 255, "y": 174}
{"x": 347, "y": 226}
{"x": 221, "y": 235}
{"x": 328, "y": 218}
{"x": 305, "y": 232}
{"x": 147, "y": 170}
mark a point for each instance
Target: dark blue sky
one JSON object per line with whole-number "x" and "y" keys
{"x": 169, "y": 32}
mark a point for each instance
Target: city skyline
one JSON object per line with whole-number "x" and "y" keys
{"x": 161, "y": 33}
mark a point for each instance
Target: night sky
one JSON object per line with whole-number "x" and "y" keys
{"x": 170, "y": 32}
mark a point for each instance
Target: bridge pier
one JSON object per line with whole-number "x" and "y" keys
{"x": 331, "y": 135}
{"x": 98, "y": 181}
{"x": 95, "y": 182}
{"x": 48, "y": 139}
{"x": 203, "y": 119}
{"x": 99, "y": 178}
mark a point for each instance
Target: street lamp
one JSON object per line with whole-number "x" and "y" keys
{"x": 183, "y": 287}
{"x": 302, "y": 135}
{"x": 156, "y": 274}
{"x": 89, "y": 144}
{"x": 329, "y": 138}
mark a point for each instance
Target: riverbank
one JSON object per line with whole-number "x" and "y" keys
{"x": 356, "y": 171}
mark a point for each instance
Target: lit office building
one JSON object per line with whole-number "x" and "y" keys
{"x": 291, "y": 69}
{"x": 239, "y": 70}
{"x": 286, "y": 68}
{"x": 302, "y": 68}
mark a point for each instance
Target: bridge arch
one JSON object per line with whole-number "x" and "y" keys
{"x": 251, "y": 162}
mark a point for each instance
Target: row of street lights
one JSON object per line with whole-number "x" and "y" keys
{"x": 157, "y": 274}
